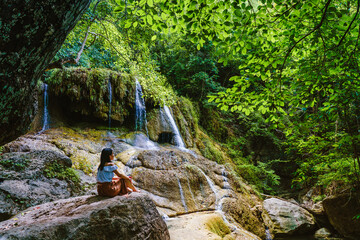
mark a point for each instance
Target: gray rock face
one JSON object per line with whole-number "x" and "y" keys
{"x": 23, "y": 181}
{"x": 89, "y": 217}
{"x": 285, "y": 218}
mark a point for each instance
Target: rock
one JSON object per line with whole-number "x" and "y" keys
{"x": 240, "y": 210}
{"x": 322, "y": 233}
{"x": 84, "y": 93}
{"x": 340, "y": 210}
{"x": 89, "y": 217}
{"x": 285, "y": 218}
{"x": 24, "y": 181}
{"x": 311, "y": 202}
{"x": 194, "y": 226}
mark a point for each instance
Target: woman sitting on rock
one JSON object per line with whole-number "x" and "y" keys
{"x": 107, "y": 185}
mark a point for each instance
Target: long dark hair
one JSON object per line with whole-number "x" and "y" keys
{"x": 105, "y": 157}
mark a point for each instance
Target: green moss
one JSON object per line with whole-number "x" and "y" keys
{"x": 218, "y": 226}
{"x": 59, "y": 171}
{"x": 210, "y": 149}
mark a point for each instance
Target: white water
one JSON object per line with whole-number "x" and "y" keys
{"x": 46, "y": 117}
{"x": 140, "y": 110}
{"x": 225, "y": 179}
{"x": 178, "y": 141}
{"x": 218, "y": 200}
{"x": 182, "y": 196}
{"x": 268, "y": 235}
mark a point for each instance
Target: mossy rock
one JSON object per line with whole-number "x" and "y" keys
{"x": 83, "y": 93}
{"x": 217, "y": 225}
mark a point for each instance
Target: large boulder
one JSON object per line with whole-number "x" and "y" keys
{"x": 341, "y": 210}
{"x": 286, "y": 218}
{"x": 31, "y": 33}
{"x": 28, "y": 179}
{"x": 89, "y": 217}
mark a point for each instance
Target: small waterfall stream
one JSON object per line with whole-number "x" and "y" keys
{"x": 218, "y": 200}
{"x": 268, "y": 234}
{"x": 178, "y": 141}
{"x": 140, "y": 110}
{"x": 182, "y": 195}
{"x": 46, "y": 117}
{"x": 110, "y": 101}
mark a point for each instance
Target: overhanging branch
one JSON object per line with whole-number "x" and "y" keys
{"x": 305, "y": 36}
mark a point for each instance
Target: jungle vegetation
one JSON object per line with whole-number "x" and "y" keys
{"x": 283, "y": 73}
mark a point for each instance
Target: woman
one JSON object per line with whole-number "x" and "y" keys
{"x": 107, "y": 185}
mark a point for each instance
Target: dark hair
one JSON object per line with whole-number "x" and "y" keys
{"x": 105, "y": 157}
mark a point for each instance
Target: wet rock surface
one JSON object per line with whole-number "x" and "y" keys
{"x": 177, "y": 180}
{"x": 89, "y": 217}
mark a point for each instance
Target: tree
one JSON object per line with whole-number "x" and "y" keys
{"x": 300, "y": 58}
{"x": 31, "y": 34}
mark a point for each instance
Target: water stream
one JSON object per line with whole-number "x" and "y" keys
{"x": 218, "y": 200}
{"x": 140, "y": 110}
{"x": 178, "y": 141}
{"x": 182, "y": 195}
{"x": 46, "y": 117}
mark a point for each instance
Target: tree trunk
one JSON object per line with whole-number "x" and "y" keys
{"x": 31, "y": 32}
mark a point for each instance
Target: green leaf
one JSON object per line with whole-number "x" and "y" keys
{"x": 153, "y": 38}
{"x": 150, "y": 3}
{"x": 149, "y": 19}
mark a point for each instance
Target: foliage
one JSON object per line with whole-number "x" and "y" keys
{"x": 261, "y": 176}
{"x": 300, "y": 62}
{"x": 15, "y": 163}
{"x": 193, "y": 73}
{"x": 217, "y": 225}
{"x": 59, "y": 171}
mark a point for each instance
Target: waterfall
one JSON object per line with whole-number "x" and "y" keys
{"x": 268, "y": 234}
{"x": 110, "y": 97}
{"x": 182, "y": 196}
{"x": 46, "y": 112}
{"x": 140, "y": 110}
{"x": 225, "y": 179}
{"x": 177, "y": 137}
{"x": 218, "y": 200}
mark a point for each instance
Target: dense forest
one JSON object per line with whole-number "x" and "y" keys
{"x": 274, "y": 83}
{"x": 281, "y": 74}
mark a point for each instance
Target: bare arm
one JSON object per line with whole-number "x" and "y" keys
{"x": 122, "y": 176}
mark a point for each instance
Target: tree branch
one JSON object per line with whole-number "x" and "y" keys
{"x": 121, "y": 55}
{"x": 306, "y": 35}
{"x": 348, "y": 29}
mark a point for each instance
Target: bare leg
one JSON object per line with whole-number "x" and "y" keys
{"x": 129, "y": 184}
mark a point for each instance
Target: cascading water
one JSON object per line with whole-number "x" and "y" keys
{"x": 178, "y": 141}
{"x": 140, "y": 110}
{"x": 110, "y": 97}
{"x": 46, "y": 111}
{"x": 268, "y": 234}
{"x": 218, "y": 200}
{"x": 225, "y": 179}
{"x": 182, "y": 196}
